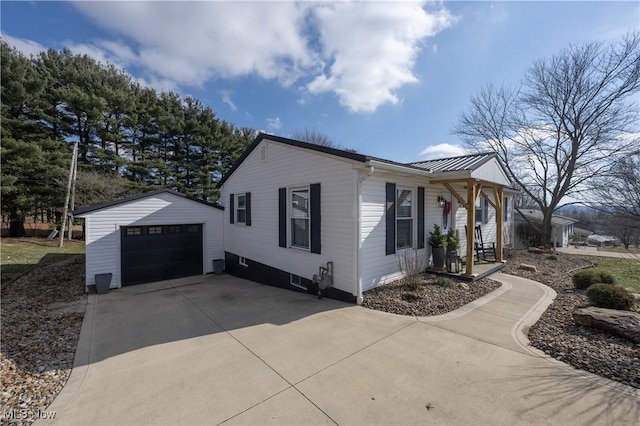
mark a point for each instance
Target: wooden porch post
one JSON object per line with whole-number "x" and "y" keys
{"x": 498, "y": 193}
{"x": 471, "y": 221}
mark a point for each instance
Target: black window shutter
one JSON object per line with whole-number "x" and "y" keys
{"x": 315, "y": 217}
{"x": 282, "y": 217}
{"x": 420, "y": 217}
{"x": 247, "y": 198}
{"x": 391, "y": 218}
{"x": 485, "y": 211}
{"x": 232, "y": 210}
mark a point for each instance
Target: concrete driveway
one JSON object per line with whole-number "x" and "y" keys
{"x": 221, "y": 350}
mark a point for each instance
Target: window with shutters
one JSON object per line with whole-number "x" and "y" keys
{"x": 404, "y": 218}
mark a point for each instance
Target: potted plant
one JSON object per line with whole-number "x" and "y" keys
{"x": 453, "y": 242}
{"x": 438, "y": 243}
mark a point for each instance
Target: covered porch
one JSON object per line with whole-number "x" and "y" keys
{"x": 473, "y": 183}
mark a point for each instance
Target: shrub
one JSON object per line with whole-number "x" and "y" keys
{"x": 610, "y": 296}
{"x": 446, "y": 282}
{"x": 586, "y": 277}
{"x": 411, "y": 264}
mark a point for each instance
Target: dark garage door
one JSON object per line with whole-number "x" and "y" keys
{"x": 162, "y": 252}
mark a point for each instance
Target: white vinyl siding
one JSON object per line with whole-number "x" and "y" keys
{"x": 103, "y": 230}
{"x": 376, "y": 267}
{"x": 292, "y": 167}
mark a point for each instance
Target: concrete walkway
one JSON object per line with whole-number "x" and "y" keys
{"x": 220, "y": 350}
{"x": 593, "y": 251}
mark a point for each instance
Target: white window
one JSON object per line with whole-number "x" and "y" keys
{"x": 404, "y": 218}
{"x": 241, "y": 209}
{"x": 296, "y": 281}
{"x": 242, "y": 261}
{"x": 482, "y": 210}
{"x": 299, "y": 215}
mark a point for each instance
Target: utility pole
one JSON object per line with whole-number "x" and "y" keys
{"x": 66, "y": 201}
{"x": 73, "y": 192}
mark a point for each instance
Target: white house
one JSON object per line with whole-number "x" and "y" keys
{"x": 561, "y": 227}
{"x": 292, "y": 208}
{"x": 153, "y": 236}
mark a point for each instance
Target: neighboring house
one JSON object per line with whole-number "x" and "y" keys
{"x": 602, "y": 240}
{"x": 153, "y": 236}
{"x": 561, "y": 227}
{"x": 292, "y": 207}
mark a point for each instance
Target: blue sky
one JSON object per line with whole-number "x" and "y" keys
{"x": 388, "y": 79}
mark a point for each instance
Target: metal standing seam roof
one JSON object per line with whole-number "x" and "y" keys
{"x": 537, "y": 215}
{"x": 455, "y": 164}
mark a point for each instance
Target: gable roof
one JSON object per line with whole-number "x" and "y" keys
{"x": 456, "y": 164}
{"x": 341, "y": 153}
{"x": 537, "y": 216}
{"x": 97, "y": 207}
{"x": 467, "y": 164}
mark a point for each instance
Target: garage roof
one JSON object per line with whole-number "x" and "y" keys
{"x": 97, "y": 207}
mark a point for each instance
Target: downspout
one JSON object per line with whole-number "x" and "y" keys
{"x": 359, "y": 181}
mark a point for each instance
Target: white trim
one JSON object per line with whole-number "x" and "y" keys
{"x": 242, "y": 261}
{"x": 296, "y": 284}
{"x": 412, "y": 218}
{"x": 290, "y": 217}
{"x": 237, "y": 208}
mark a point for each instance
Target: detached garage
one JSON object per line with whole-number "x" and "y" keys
{"x": 151, "y": 237}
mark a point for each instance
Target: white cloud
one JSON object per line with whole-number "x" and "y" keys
{"x": 210, "y": 39}
{"x": 361, "y": 52}
{"x": 225, "y": 95}
{"x": 372, "y": 47}
{"x": 94, "y": 52}
{"x": 273, "y": 124}
{"x": 442, "y": 150}
{"x": 24, "y": 46}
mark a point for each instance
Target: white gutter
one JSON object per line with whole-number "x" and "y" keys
{"x": 358, "y": 257}
{"x": 397, "y": 168}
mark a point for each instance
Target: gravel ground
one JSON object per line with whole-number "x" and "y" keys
{"x": 556, "y": 333}
{"x": 42, "y": 314}
{"x": 428, "y": 299}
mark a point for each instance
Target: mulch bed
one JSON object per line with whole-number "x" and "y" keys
{"x": 556, "y": 333}
{"x": 428, "y": 298}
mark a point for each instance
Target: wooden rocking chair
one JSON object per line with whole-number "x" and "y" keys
{"x": 481, "y": 248}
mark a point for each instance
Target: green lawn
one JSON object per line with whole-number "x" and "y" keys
{"x": 626, "y": 271}
{"x": 18, "y": 255}
{"x": 620, "y": 249}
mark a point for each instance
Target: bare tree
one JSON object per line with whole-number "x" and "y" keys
{"x": 619, "y": 189}
{"x": 314, "y": 137}
{"x": 560, "y": 127}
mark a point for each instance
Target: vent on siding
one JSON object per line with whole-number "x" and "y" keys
{"x": 263, "y": 152}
